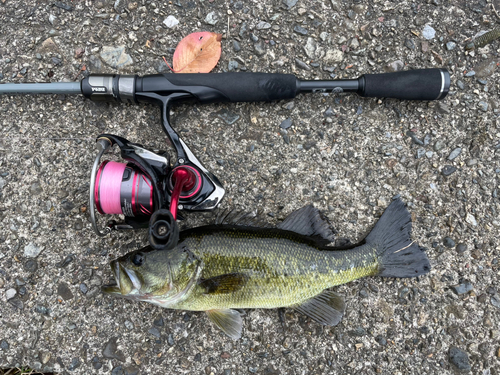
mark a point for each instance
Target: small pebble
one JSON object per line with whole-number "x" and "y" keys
{"x": 461, "y": 248}
{"x": 439, "y": 145}
{"x": 428, "y": 32}
{"x": 170, "y": 339}
{"x": 450, "y": 46}
{"x": 462, "y": 288}
{"x": 285, "y": 124}
{"x": 459, "y": 359}
{"x": 155, "y": 332}
{"x": 4, "y": 345}
{"x": 454, "y": 154}
{"x": 448, "y": 170}
{"x": 10, "y": 293}
{"x": 236, "y": 46}
{"x": 483, "y": 106}
{"x": 300, "y": 30}
{"x": 448, "y": 242}
{"x": 83, "y": 288}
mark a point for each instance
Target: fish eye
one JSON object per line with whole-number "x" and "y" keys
{"x": 137, "y": 259}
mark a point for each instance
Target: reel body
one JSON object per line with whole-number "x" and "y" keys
{"x": 146, "y": 189}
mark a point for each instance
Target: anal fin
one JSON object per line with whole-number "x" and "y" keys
{"x": 228, "y": 321}
{"x": 326, "y": 308}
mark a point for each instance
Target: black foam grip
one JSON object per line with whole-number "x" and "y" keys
{"x": 239, "y": 87}
{"x": 419, "y": 84}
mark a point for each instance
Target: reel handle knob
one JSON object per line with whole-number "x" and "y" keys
{"x": 163, "y": 230}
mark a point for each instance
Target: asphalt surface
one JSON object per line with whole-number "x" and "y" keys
{"x": 347, "y": 155}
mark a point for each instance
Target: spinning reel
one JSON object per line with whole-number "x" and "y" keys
{"x": 147, "y": 189}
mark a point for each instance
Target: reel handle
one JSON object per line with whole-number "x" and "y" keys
{"x": 163, "y": 230}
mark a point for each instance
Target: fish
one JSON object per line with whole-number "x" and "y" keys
{"x": 222, "y": 268}
{"x": 483, "y": 40}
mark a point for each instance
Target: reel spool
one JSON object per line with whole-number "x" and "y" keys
{"x": 123, "y": 189}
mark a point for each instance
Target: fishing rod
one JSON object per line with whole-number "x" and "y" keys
{"x": 149, "y": 189}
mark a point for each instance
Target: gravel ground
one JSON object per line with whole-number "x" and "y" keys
{"x": 347, "y": 155}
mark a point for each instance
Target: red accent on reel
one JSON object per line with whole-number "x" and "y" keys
{"x": 186, "y": 180}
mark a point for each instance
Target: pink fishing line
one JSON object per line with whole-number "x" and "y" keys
{"x": 109, "y": 187}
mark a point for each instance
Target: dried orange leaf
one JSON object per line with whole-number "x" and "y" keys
{"x": 197, "y": 53}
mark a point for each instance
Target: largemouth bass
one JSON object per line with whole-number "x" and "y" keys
{"x": 220, "y": 268}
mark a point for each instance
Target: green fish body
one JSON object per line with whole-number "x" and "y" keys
{"x": 220, "y": 268}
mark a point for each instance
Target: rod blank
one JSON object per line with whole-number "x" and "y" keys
{"x": 69, "y": 88}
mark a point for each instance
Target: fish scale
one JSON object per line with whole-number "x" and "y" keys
{"x": 283, "y": 268}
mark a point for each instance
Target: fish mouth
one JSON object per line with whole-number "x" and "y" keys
{"x": 126, "y": 281}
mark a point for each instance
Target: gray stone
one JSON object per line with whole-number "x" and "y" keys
{"x": 302, "y": 65}
{"x": 483, "y": 106}
{"x": 454, "y": 154}
{"x": 461, "y": 248}
{"x": 227, "y": 116}
{"x": 395, "y": 66}
{"x": 64, "y": 291}
{"x": 32, "y": 251}
{"x": 290, "y": 3}
{"x": 212, "y": 18}
{"x": 310, "y": 48}
{"x": 116, "y": 57}
{"x": 259, "y": 48}
{"x": 462, "y": 288}
{"x": 155, "y": 332}
{"x": 450, "y": 46}
{"x": 448, "y": 242}
{"x": 170, "y": 22}
{"x": 495, "y": 300}
{"x": 299, "y": 30}
{"x": 236, "y": 46}
{"x": 4, "y": 345}
{"x": 35, "y": 188}
{"x": 459, "y": 359}
{"x": 111, "y": 350}
{"x": 10, "y": 293}
{"x": 30, "y": 266}
{"x": 428, "y": 32}
{"x": 470, "y": 219}
{"x": 285, "y": 124}
{"x": 232, "y": 65}
{"x": 439, "y": 145}
{"x": 262, "y": 25}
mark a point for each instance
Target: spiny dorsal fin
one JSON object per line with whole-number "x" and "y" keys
{"x": 223, "y": 284}
{"x": 309, "y": 221}
{"x": 228, "y": 320}
{"x": 326, "y": 308}
{"x": 244, "y": 219}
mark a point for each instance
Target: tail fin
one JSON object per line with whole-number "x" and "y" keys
{"x": 399, "y": 256}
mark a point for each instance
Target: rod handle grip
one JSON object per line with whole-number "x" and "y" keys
{"x": 418, "y": 84}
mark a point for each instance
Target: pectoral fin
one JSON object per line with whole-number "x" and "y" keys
{"x": 223, "y": 284}
{"x": 228, "y": 320}
{"x": 326, "y": 308}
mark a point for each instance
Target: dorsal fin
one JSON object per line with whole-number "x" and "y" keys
{"x": 309, "y": 221}
{"x": 243, "y": 219}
